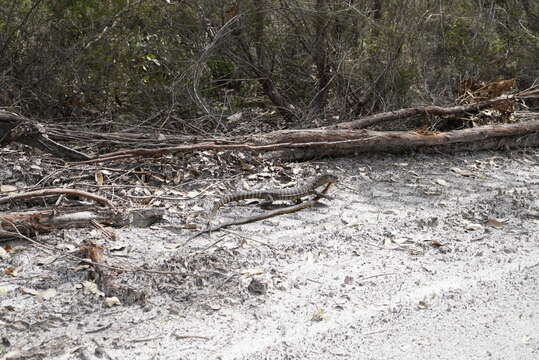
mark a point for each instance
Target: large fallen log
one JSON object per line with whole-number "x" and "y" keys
{"x": 305, "y": 144}
{"x": 489, "y": 137}
{"x": 339, "y": 139}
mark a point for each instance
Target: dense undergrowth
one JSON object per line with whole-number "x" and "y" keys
{"x": 188, "y": 66}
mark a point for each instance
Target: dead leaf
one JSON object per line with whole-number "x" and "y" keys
{"x": 461, "y": 172}
{"x": 40, "y": 294}
{"x": 494, "y": 223}
{"x": 214, "y": 306}
{"x": 235, "y": 117}
{"x": 423, "y": 305}
{"x": 47, "y": 260}
{"x": 92, "y": 288}
{"x": 193, "y": 194}
{"x": 81, "y": 267}
{"x": 319, "y": 315}
{"x": 441, "y": 182}
{"x": 197, "y": 208}
{"x": 437, "y": 243}
{"x": 11, "y": 271}
{"x": 118, "y": 247}
{"x": 474, "y": 227}
{"x": 29, "y": 291}
{"x": 111, "y": 301}
{"x": 172, "y": 246}
{"x": 246, "y": 166}
{"x": 93, "y": 252}
{"x": 20, "y": 325}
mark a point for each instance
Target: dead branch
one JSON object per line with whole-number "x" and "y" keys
{"x": 56, "y": 192}
{"x": 8, "y": 235}
{"x": 426, "y": 110}
{"x": 49, "y": 220}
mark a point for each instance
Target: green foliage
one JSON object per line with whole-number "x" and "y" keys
{"x": 119, "y": 57}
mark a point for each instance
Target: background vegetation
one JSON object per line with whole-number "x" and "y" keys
{"x": 188, "y": 65}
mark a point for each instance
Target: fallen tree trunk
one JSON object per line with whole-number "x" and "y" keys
{"x": 320, "y": 142}
{"x": 489, "y": 137}
{"x": 339, "y": 139}
{"x": 414, "y": 143}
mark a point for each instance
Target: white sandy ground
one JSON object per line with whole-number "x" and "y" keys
{"x": 400, "y": 265}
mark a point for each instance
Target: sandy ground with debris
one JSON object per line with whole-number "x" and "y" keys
{"x": 417, "y": 257}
